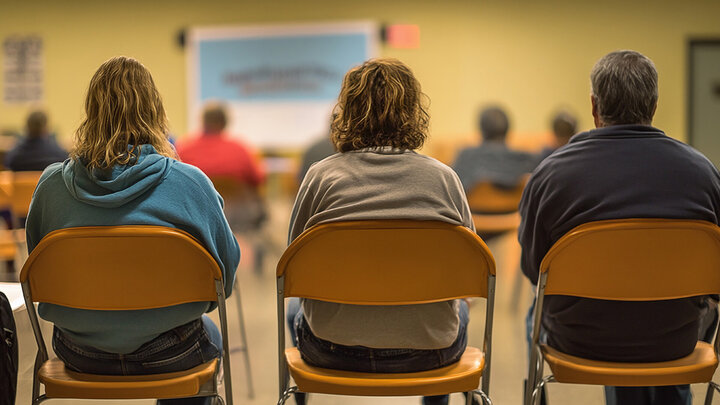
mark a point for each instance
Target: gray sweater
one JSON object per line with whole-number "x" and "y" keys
{"x": 381, "y": 183}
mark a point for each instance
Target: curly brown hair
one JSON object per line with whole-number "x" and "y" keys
{"x": 123, "y": 109}
{"x": 380, "y": 104}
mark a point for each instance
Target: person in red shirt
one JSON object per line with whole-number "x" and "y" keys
{"x": 219, "y": 155}
{"x": 235, "y": 173}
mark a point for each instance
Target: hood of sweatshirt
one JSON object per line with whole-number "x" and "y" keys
{"x": 115, "y": 187}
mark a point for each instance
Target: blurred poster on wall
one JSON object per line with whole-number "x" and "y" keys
{"x": 22, "y": 70}
{"x": 279, "y": 82}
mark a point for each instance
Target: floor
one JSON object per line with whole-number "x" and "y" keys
{"x": 508, "y": 356}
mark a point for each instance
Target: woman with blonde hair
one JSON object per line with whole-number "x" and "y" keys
{"x": 123, "y": 171}
{"x": 380, "y": 121}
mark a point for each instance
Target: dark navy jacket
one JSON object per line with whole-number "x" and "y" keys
{"x": 624, "y": 171}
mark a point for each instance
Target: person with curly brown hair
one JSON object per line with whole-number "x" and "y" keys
{"x": 381, "y": 120}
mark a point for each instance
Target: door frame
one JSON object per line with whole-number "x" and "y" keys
{"x": 692, "y": 42}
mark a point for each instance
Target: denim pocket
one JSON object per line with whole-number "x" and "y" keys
{"x": 63, "y": 344}
{"x": 187, "y": 359}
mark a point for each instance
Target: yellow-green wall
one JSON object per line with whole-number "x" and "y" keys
{"x": 530, "y": 56}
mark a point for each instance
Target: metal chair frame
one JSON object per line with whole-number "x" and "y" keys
{"x": 243, "y": 348}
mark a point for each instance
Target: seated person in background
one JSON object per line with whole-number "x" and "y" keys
{"x": 564, "y": 126}
{"x": 623, "y": 169}
{"x": 218, "y": 155}
{"x": 123, "y": 171}
{"x": 493, "y": 161}
{"x": 231, "y": 165}
{"x": 316, "y": 152}
{"x": 378, "y": 175}
{"x": 37, "y": 150}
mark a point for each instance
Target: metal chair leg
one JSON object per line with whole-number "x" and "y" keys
{"x": 39, "y": 399}
{"x": 535, "y": 375}
{"x": 537, "y": 392}
{"x": 485, "y": 398}
{"x": 517, "y": 291}
{"x": 244, "y": 347}
{"x": 259, "y": 257}
{"x": 468, "y": 398}
{"x": 712, "y": 387}
{"x": 287, "y": 394}
{"x": 36, "y": 380}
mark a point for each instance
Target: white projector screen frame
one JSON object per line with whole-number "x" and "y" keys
{"x": 279, "y": 82}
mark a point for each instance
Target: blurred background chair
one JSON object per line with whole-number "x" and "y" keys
{"x": 8, "y": 240}
{"x": 246, "y": 213}
{"x": 495, "y": 213}
{"x": 22, "y": 187}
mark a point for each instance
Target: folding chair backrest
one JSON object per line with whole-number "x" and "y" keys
{"x": 120, "y": 268}
{"x": 231, "y": 188}
{"x": 5, "y": 188}
{"x": 635, "y": 260}
{"x": 392, "y": 262}
{"x": 23, "y": 186}
{"x": 487, "y": 198}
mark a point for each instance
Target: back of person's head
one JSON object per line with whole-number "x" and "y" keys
{"x": 564, "y": 126}
{"x": 214, "y": 118}
{"x": 380, "y": 104}
{"x": 36, "y": 124}
{"x": 494, "y": 124}
{"x": 624, "y": 88}
{"x": 123, "y": 110}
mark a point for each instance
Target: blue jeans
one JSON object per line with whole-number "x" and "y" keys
{"x": 179, "y": 349}
{"x": 322, "y": 353}
{"x": 661, "y": 395}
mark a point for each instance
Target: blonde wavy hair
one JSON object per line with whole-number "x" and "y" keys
{"x": 380, "y": 104}
{"x": 123, "y": 110}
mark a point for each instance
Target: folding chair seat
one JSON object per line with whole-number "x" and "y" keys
{"x": 412, "y": 262}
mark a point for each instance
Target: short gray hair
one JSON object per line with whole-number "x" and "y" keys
{"x": 625, "y": 88}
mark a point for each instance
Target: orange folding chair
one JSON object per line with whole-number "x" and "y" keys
{"x": 22, "y": 187}
{"x": 242, "y": 205}
{"x": 628, "y": 260}
{"x": 8, "y": 239}
{"x": 495, "y": 209}
{"x": 394, "y": 262}
{"x": 89, "y": 268}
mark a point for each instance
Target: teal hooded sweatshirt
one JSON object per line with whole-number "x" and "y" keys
{"x": 151, "y": 190}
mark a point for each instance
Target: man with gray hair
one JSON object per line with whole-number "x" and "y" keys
{"x": 625, "y": 168}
